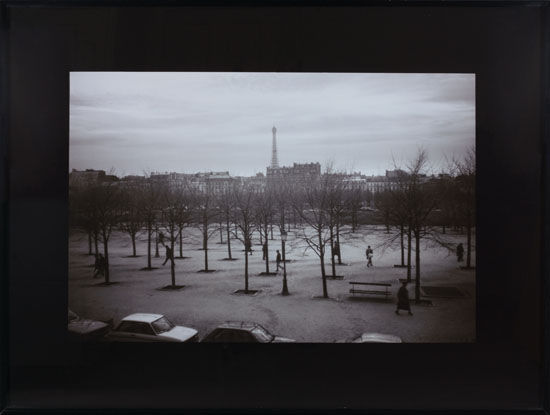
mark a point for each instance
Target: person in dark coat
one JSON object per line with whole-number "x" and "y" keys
{"x": 403, "y": 302}
{"x": 460, "y": 252}
{"x": 248, "y": 247}
{"x": 169, "y": 254}
{"x": 369, "y": 254}
{"x": 278, "y": 260}
{"x": 161, "y": 238}
{"x": 264, "y": 251}
{"x": 99, "y": 266}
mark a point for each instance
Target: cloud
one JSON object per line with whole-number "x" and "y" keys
{"x": 222, "y": 121}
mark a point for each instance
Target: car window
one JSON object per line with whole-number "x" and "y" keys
{"x": 241, "y": 336}
{"x": 262, "y": 335}
{"x": 162, "y": 325}
{"x": 135, "y": 327}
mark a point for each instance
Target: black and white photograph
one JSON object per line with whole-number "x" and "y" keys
{"x": 272, "y": 207}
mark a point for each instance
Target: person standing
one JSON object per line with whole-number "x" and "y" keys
{"x": 169, "y": 254}
{"x": 264, "y": 251}
{"x": 161, "y": 238}
{"x": 460, "y": 252}
{"x": 369, "y": 254}
{"x": 278, "y": 260}
{"x": 403, "y": 302}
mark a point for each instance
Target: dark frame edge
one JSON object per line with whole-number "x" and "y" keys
{"x": 4, "y": 87}
{"x": 545, "y": 244}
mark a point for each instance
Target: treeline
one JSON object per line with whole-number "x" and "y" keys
{"x": 316, "y": 212}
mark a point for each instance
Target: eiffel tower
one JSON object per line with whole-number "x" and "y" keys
{"x": 274, "y": 158}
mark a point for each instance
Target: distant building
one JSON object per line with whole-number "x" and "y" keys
{"x": 79, "y": 178}
{"x": 298, "y": 174}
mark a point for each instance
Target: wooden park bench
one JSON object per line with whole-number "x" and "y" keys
{"x": 369, "y": 288}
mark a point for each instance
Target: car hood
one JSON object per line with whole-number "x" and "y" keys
{"x": 179, "y": 333}
{"x": 85, "y": 326}
{"x": 279, "y": 339}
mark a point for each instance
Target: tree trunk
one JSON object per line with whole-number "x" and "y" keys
{"x": 106, "y": 255}
{"x": 228, "y": 239}
{"x": 417, "y": 264}
{"x": 409, "y": 250}
{"x": 172, "y": 264}
{"x": 133, "y": 236}
{"x": 205, "y": 244}
{"x": 156, "y": 243}
{"x": 245, "y": 269}
{"x": 96, "y": 237}
{"x": 221, "y": 233}
{"x": 181, "y": 241}
{"x": 323, "y": 273}
{"x": 332, "y": 264}
{"x": 338, "y": 242}
{"x": 90, "y": 252}
{"x": 266, "y": 252}
{"x": 149, "y": 234}
{"x": 402, "y": 230}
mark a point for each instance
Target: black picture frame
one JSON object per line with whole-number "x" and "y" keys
{"x": 507, "y": 46}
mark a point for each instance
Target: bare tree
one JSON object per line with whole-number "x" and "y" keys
{"x": 205, "y": 216}
{"x": 226, "y": 207}
{"x": 149, "y": 196}
{"x": 132, "y": 216}
{"x": 173, "y": 202}
{"x": 244, "y": 220}
{"x": 264, "y": 212}
{"x": 316, "y": 233}
{"x": 108, "y": 216}
{"x": 465, "y": 181}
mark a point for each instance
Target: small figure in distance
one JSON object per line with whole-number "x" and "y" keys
{"x": 169, "y": 254}
{"x": 248, "y": 247}
{"x": 279, "y": 260}
{"x": 460, "y": 252}
{"x": 403, "y": 302}
{"x": 369, "y": 256}
{"x": 161, "y": 238}
{"x": 264, "y": 250}
{"x": 99, "y": 266}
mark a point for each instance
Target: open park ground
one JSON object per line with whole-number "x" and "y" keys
{"x": 208, "y": 299}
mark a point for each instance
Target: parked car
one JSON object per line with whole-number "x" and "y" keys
{"x": 142, "y": 327}
{"x": 373, "y": 338}
{"x": 243, "y": 332}
{"x": 86, "y": 329}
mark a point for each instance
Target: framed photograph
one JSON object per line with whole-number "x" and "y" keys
{"x": 307, "y": 176}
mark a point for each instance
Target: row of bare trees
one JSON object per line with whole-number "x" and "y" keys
{"x": 421, "y": 209}
{"x": 319, "y": 212}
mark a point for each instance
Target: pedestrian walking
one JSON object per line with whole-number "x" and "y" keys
{"x": 99, "y": 266}
{"x": 169, "y": 254}
{"x": 248, "y": 247}
{"x": 161, "y": 238}
{"x": 369, "y": 254}
{"x": 403, "y": 302}
{"x": 278, "y": 260}
{"x": 264, "y": 251}
{"x": 460, "y": 252}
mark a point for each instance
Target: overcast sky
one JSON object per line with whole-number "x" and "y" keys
{"x": 135, "y": 122}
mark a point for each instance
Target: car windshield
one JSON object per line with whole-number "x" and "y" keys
{"x": 162, "y": 325}
{"x": 262, "y": 334}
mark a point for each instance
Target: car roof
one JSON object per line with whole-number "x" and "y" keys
{"x": 142, "y": 317}
{"x": 244, "y": 325}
